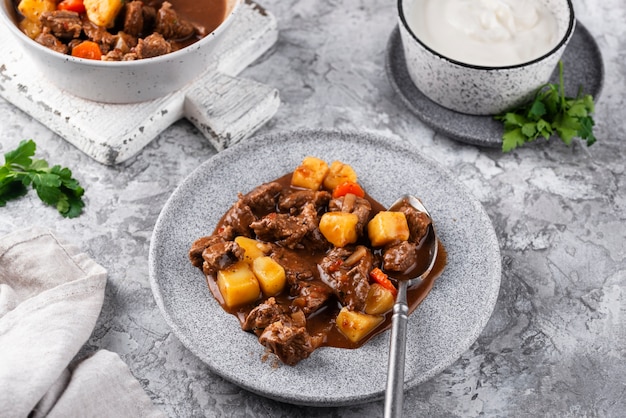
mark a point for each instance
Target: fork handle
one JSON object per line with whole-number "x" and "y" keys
{"x": 394, "y": 394}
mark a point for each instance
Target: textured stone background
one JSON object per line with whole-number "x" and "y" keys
{"x": 556, "y": 343}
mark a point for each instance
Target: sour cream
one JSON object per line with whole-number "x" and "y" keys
{"x": 494, "y": 33}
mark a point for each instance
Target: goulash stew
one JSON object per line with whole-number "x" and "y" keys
{"x": 118, "y": 30}
{"x": 311, "y": 260}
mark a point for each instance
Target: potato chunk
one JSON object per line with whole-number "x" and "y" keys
{"x": 238, "y": 285}
{"x": 386, "y": 227}
{"x": 32, "y": 10}
{"x": 252, "y": 248}
{"x": 356, "y": 325}
{"x": 31, "y": 28}
{"x": 270, "y": 274}
{"x": 339, "y": 228}
{"x": 379, "y": 300}
{"x": 310, "y": 173}
{"x": 103, "y": 12}
{"x": 339, "y": 173}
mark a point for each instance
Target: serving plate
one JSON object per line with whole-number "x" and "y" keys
{"x": 582, "y": 66}
{"x": 439, "y": 331}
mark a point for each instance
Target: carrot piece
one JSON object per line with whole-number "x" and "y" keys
{"x": 382, "y": 279}
{"x": 87, "y": 49}
{"x": 348, "y": 187}
{"x": 72, "y": 6}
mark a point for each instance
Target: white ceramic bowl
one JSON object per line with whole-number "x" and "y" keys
{"x": 475, "y": 89}
{"x": 121, "y": 81}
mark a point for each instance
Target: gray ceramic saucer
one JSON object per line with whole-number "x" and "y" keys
{"x": 439, "y": 331}
{"x": 582, "y": 66}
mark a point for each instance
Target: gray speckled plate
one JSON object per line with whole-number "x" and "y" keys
{"x": 582, "y": 65}
{"x": 441, "y": 329}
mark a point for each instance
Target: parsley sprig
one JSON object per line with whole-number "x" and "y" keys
{"x": 548, "y": 113}
{"x": 54, "y": 185}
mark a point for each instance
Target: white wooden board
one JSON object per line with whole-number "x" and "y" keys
{"x": 224, "y": 107}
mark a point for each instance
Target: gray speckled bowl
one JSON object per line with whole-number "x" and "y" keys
{"x": 474, "y": 89}
{"x": 123, "y": 81}
{"x": 439, "y": 331}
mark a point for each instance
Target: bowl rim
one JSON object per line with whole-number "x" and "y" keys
{"x": 172, "y": 56}
{"x": 559, "y": 45}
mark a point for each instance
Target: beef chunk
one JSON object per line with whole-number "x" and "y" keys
{"x": 418, "y": 222}
{"x": 282, "y": 332}
{"x": 219, "y": 255}
{"x": 98, "y": 35}
{"x": 237, "y": 220}
{"x": 310, "y": 295}
{"x": 131, "y": 56}
{"x": 293, "y": 202}
{"x": 62, "y": 24}
{"x": 263, "y": 198}
{"x": 295, "y": 269}
{"x": 263, "y": 315}
{"x": 227, "y": 232}
{"x": 50, "y": 41}
{"x": 170, "y": 25}
{"x": 114, "y": 55}
{"x": 198, "y": 247}
{"x": 289, "y": 340}
{"x": 149, "y": 17}
{"x": 316, "y": 241}
{"x": 152, "y": 46}
{"x": 400, "y": 256}
{"x": 286, "y": 229}
{"x": 133, "y": 18}
{"x": 117, "y": 55}
{"x": 348, "y": 280}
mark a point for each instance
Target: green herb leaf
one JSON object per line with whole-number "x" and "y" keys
{"x": 54, "y": 186}
{"x": 586, "y": 130}
{"x": 75, "y": 207}
{"x": 21, "y": 155}
{"x": 11, "y": 191}
{"x": 537, "y": 109}
{"x": 548, "y": 113}
{"x": 529, "y": 129}
{"x": 512, "y": 139}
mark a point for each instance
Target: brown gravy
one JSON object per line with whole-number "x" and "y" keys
{"x": 323, "y": 321}
{"x": 206, "y": 13}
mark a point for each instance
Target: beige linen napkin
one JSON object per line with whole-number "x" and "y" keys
{"x": 51, "y": 295}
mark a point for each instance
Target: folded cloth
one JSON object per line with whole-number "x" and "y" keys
{"x": 51, "y": 295}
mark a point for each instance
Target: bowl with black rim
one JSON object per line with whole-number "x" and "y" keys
{"x": 478, "y": 88}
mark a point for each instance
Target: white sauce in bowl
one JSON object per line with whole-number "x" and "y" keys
{"x": 493, "y": 33}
